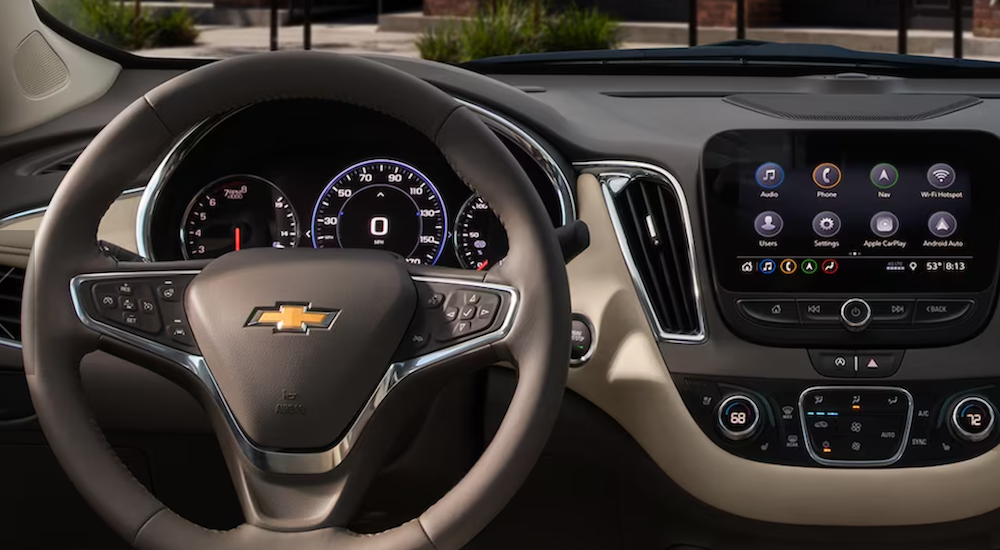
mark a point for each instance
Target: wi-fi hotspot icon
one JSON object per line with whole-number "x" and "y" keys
{"x": 941, "y": 175}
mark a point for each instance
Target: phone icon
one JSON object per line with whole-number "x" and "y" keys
{"x": 826, "y": 175}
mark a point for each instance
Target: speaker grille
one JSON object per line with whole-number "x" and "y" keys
{"x": 38, "y": 69}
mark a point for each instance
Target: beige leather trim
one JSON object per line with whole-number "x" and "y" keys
{"x": 628, "y": 379}
{"x": 117, "y": 226}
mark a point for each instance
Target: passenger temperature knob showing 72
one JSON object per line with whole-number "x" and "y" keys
{"x": 972, "y": 419}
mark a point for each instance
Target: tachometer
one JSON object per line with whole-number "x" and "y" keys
{"x": 237, "y": 212}
{"x": 385, "y": 205}
{"x": 480, "y": 239}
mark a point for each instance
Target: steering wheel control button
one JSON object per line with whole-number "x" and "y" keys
{"x": 127, "y": 303}
{"x": 460, "y": 313}
{"x": 941, "y": 176}
{"x": 855, "y": 426}
{"x": 147, "y": 306}
{"x": 819, "y": 312}
{"x": 826, "y": 224}
{"x": 884, "y": 175}
{"x": 125, "y": 289}
{"x": 837, "y": 364}
{"x": 738, "y": 417}
{"x": 855, "y": 314}
{"x": 581, "y": 340}
{"x": 878, "y": 364}
{"x": 972, "y": 419}
{"x": 941, "y": 311}
{"x": 768, "y": 224}
{"x": 769, "y": 175}
{"x": 170, "y": 293}
{"x": 181, "y": 334}
{"x": 826, "y": 175}
{"x": 892, "y": 312}
{"x": 942, "y": 224}
{"x": 431, "y": 300}
{"x": 780, "y": 312}
{"x": 467, "y": 312}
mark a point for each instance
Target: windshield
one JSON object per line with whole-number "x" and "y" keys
{"x": 460, "y": 31}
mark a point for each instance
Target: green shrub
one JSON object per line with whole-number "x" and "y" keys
{"x": 581, "y": 29}
{"x": 510, "y": 27}
{"x": 176, "y": 28}
{"x": 115, "y": 23}
{"x": 442, "y": 42}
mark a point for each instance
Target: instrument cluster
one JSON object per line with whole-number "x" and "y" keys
{"x": 326, "y": 175}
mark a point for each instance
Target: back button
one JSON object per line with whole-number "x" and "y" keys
{"x": 813, "y": 312}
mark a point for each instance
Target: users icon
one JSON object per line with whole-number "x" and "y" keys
{"x": 768, "y": 224}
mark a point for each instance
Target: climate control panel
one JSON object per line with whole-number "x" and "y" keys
{"x": 845, "y": 425}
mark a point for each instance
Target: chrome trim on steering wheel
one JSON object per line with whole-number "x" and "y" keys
{"x": 615, "y": 176}
{"x": 187, "y": 142}
{"x": 286, "y": 462}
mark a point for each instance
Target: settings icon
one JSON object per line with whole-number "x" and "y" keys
{"x": 826, "y": 224}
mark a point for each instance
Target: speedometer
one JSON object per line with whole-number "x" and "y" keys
{"x": 385, "y": 205}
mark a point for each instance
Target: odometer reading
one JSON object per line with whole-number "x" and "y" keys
{"x": 234, "y": 213}
{"x": 384, "y": 205}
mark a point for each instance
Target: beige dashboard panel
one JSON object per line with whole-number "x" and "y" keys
{"x": 117, "y": 226}
{"x": 627, "y": 378}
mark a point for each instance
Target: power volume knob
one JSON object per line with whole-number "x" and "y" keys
{"x": 738, "y": 417}
{"x": 972, "y": 419}
{"x": 855, "y": 314}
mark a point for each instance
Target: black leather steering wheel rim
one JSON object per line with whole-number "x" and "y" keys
{"x": 54, "y": 340}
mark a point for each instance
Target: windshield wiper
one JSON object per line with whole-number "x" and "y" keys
{"x": 746, "y": 54}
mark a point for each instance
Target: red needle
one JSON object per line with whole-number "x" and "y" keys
{"x": 482, "y": 266}
{"x": 237, "y": 238}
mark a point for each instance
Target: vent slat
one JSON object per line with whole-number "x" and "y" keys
{"x": 654, "y": 229}
{"x": 11, "y": 289}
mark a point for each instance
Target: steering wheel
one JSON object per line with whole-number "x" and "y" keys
{"x": 307, "y": 361}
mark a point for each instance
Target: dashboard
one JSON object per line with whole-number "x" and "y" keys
{"x": 792, "y": 316}
{"x": 321, "y": 174}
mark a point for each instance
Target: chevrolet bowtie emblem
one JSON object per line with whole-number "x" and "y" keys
{"x": 298, "y": 318}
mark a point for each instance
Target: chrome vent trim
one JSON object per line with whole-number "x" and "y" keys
{"x": 615, "y": 176}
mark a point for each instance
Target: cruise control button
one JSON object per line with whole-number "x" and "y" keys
{"x": 147, "y": 306}
{"x": 940, "y": 311}
{"x": 839, "y": 364}
{"x": 878, "y": 364}
{"x": 814, "y": 312}
{"x": 107, "y": 301}
{"x": 168, "y": 293}
{"x": 125, "y": 289}
{"x": 128, "y": 303}
{"x": 130, "y": 319}
{"x": 770, "y": 311}
{"x": 892, "y": 312}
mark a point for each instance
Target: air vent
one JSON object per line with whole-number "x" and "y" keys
{"x": 654, "y": 227}
{"x": 60, "y": 166}
{"x": 11, "y": 287}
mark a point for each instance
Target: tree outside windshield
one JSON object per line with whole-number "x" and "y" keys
{"x": 456, "y": 31}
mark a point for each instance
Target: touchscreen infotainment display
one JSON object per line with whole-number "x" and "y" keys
{"x": 853, "y": 211}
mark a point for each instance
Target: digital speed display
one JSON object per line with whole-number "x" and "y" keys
{"x": 384, "y": 205}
